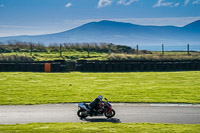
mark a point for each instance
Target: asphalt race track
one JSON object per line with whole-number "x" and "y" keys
{"x": 145, "y": 113}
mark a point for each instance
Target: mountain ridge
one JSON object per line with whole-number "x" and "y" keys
{"x": 120, "y": 33}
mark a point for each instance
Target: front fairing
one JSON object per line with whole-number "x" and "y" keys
{"x": 109, "y": 105}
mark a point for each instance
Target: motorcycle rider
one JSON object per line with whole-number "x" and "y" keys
{"x": 94, "y": 104}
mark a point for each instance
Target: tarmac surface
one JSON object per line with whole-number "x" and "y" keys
{"x": 125, "y": 113}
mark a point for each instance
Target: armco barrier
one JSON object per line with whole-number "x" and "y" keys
{"x": 123, "y": 66}
{"x": 100, "y": 66}
{"x": 42, "y": 66}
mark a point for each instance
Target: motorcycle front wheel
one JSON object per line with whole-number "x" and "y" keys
{"x": 110, "y": 114}
{"x": 82, "y": 113}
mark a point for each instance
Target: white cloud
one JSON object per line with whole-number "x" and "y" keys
{"x": 17, "y": 26}
{"x": 176, "y": 21}
{"x": 176, "y": 4}
{"x": 1, "y": 5}
{"x": 68, "y": 5}
{"x": 196, "y": 2}
{"x": 103, "y": 3}
{"x": 162, "y": 3}
{"x": 126, "y": 2}
{"x": 186, "y": 2}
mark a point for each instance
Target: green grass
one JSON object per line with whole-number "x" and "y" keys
{"x": 69, "y": 55}
{"x": 42, "y": 88}
{"x": 154, "y": 57}
{"x": 100, "y": 127}
{"x": 176, "y": 53}
{"x": 77, "y": 55}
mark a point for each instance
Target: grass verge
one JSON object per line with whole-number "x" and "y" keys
{"x": 43, "y": 88}
{"x": 100, "y": 127}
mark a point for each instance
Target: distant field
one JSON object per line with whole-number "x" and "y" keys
{"x": 71, "y": 55}
{"x": 100, "y": 127}
{"x": 176, "y": 53}
{"x": 77, "y": 55}
{"x": 43, "y": 88}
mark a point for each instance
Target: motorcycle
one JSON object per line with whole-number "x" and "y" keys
{"x": 104, "y": 108}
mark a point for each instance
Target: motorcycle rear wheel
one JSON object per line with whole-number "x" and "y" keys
{"x": 110, "y": 114}
{"x": 82, "y": 113}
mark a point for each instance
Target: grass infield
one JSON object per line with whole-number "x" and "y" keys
{"x": 43, "y": 88}
{"x": 99, "y": 127}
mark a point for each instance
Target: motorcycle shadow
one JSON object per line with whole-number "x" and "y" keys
{"x": 112, "y": 120}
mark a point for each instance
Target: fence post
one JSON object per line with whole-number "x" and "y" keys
{"x": 88, "y": 50}
{"x": 188, "y": 49}
{"x": 163, "y": 49}
{"x": 109, "y": 48}
{"x": 60, "y": 50}
{"x": 31, "y": 49}
{"x": 137, "y": 48}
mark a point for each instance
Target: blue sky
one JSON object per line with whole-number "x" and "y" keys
{"x": 31, "y": 17}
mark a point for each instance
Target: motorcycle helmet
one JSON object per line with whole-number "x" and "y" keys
{"x": 100, "y": 97}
